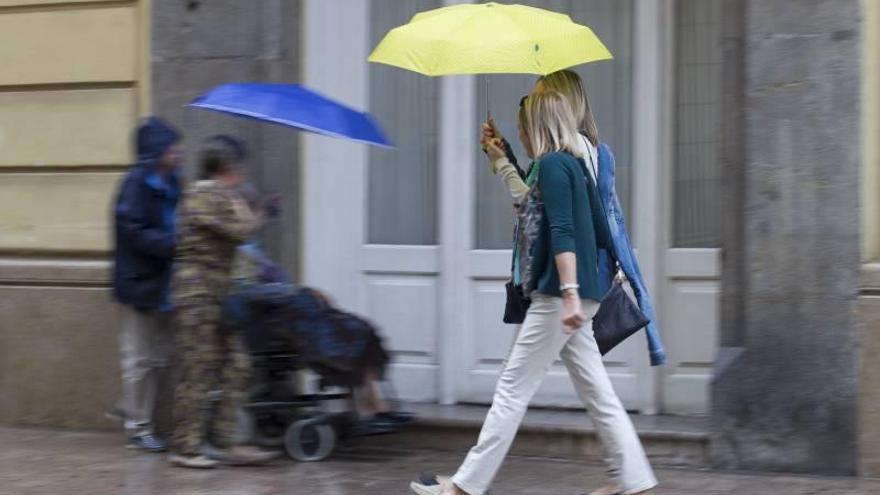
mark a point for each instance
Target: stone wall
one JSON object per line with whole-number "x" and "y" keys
{"x": 199, "y": 44}
{"x": 786, "y": 389}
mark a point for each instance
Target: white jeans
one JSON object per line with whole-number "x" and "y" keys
{"x": 540, "y": 340}
{"x": 146, "y": 341}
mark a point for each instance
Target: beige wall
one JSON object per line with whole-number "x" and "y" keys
{"x": 73, "y": 83}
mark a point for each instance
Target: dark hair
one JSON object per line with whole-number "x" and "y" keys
{"x": 219, "y": 153}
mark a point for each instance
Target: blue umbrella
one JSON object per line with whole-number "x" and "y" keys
{"x": 295, "y": 106}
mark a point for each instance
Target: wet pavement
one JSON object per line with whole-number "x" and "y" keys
{"x": 37, "y": 461}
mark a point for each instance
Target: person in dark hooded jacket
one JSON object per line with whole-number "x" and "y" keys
{"x": 145, "y": 241}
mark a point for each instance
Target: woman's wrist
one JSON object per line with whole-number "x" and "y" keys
{"x": 571, "y": 293}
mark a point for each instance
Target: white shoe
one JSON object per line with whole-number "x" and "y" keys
{"x": 615, "y": 490}
{"x": 245, "y": 455}
{"x": 608, "y": 490}
{"x": 192, "y": 461}
{"x": 421, "y": 489}
{"x": 444, "y": 483}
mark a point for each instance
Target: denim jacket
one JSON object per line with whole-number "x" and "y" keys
{"x": 623, "y": 252}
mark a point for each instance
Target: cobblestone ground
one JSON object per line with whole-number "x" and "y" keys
{"x": 54, "y": 462}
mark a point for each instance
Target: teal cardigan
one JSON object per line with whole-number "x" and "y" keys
{"x": 573, "y": 222}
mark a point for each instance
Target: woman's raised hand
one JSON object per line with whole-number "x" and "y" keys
{"x": 490, "y": 130}
{"x": 493, "y": 149}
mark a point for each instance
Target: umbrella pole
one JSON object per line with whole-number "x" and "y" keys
{"x": 486, "y": 87}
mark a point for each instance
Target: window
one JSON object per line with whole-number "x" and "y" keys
{"x": 403, "y": 181}
{"x": 697, "y": 165}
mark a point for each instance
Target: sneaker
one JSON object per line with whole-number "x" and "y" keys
{"x": 244, "y": 455}
{"x": 192, "y": 461}
{"x": 147, "y": 442}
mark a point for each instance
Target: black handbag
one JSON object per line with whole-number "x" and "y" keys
{"x": 517, "y": 304}
{"x": 617, "y": 319}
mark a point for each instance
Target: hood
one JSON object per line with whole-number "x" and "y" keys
{"x": 154, "y": 136}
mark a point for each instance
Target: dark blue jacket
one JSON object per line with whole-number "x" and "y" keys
{"x": 144, "y": 232}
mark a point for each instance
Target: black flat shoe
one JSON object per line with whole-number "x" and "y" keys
{"x": 397, "y": 417}
{"x": 372, "y": 427}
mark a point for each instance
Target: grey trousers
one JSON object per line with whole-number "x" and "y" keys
{"x": 538, "y": 343}
{"x": 146, "y": 343}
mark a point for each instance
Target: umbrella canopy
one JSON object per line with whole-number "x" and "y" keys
{"x": 294, "y": 106}
{"x": 489, "y": 38}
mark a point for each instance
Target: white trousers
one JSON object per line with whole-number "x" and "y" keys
{"x": 146, "y": 341}
{"x": 540, "y": 340}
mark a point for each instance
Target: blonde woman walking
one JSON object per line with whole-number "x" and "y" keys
{"x": 560, "y": 229}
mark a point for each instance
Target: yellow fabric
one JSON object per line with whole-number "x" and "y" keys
{"x": 489, "y": 38}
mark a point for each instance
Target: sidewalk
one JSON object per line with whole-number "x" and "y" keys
{"x": 38, "y": 461}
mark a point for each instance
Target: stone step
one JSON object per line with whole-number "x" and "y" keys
{"x": 670, "y": 441}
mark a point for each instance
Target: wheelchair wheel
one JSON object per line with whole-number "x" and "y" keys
{"x": 309, "y": 440}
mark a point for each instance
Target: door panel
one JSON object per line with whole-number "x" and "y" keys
{"x": 400, "y": 296}
{"x": 691, "y": 329}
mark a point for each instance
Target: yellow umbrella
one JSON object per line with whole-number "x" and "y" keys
{"x": 489, "y": 38}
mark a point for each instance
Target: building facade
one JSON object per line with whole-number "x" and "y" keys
{"x": 745, "y": 139}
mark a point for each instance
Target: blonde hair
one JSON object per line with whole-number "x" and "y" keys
{"x": 550, "y": 124}
{"x": 570, "y": 85}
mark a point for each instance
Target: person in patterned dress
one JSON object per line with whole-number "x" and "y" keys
{"x": 214, "y": 219}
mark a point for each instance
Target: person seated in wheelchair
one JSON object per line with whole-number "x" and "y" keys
{"x": 345, "y": 349}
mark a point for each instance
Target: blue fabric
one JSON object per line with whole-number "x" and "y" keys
{"x": 623, "y": 252}
{"x": 144, "y": 233}
{"x": 345, "y": 340}
{"x": 294, "y": 106}
{"x": 164, "y": 187}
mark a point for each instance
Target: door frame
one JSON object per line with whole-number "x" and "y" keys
{"x": 652, "y": 151}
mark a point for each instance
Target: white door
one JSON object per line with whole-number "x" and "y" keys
{"x": 486, "y": 339}
{"x": 401, "y": 269}
{"x": 692, "y": 265}
{"x": 371, "y": 231}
